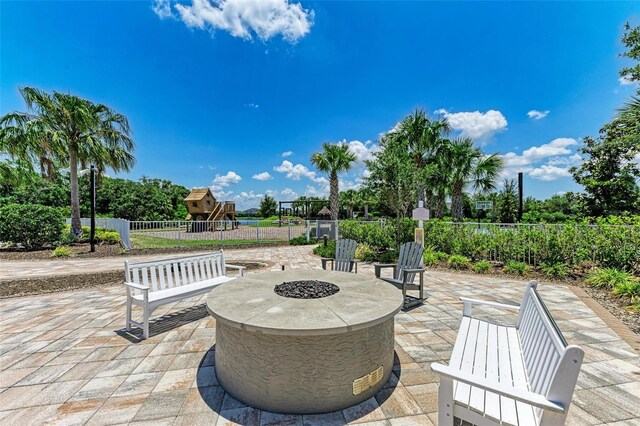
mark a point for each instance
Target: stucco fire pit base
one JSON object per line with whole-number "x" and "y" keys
{"x": 304, "y": 355}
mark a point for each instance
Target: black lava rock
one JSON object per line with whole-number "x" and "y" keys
{"x": 306, "y": 289}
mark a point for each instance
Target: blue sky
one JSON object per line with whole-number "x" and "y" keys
{"x": 217, "y": 95}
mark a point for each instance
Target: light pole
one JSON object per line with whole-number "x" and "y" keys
{"x": 92, "y": 195}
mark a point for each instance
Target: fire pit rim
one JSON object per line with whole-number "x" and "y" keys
{"x": 380, "y": 302}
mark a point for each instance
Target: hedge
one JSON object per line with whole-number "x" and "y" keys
{"x": 31, "y": 226}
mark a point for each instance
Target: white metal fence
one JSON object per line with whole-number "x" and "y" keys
{"x": 119, "y": 225}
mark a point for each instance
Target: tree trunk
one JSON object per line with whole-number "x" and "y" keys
{"x": 333, "y": 195}
{"x": 76, "y": 226}
{"x": 456, "y": 203}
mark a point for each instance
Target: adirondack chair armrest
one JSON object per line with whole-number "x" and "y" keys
{"x": 378, "y": 267}
{"x": 406, "y": 272}
{"x": 468, "y": 303}
{"x": 238, "y": 267}
{"x": 521, "y": 395}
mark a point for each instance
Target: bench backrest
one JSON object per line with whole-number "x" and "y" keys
{"x": 551, "y": 364}
{"x": 345, "y": 255}
{"x": 175, "y": 272}
{"x": 410, "y": 258}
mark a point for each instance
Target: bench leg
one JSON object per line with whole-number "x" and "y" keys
{"x": 445, "y": 402}
{"x": 128, "y": 325}
{"x": 145, "y": 323}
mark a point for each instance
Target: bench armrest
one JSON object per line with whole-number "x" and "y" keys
{"x": 413, "y": 271}
{"x": 238, "y": 267}
{"x": 137, "y": 286}
{"x": 468, "y": 303}
{"x": 521, "y": 395}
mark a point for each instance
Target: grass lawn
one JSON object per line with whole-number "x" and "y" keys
{"x": 146, "y": 241}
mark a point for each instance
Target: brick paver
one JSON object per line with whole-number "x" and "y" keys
{"x": 64, "y": 358}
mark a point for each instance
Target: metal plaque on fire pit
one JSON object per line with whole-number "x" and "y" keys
{"x": 365, "y": 382}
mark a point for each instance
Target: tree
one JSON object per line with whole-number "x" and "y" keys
{"x": 333, "y": 160}
{"x": 349, "y": 199}
{"x": 423, "y": 138}
{"x": 267, "y": 206}
{"x": 466, "y": 165}
{"x": 508, "y": 202}
{"x": 69, "y": 130}
{"x": 392, "y": 176}
{"x": 631, "y": 40}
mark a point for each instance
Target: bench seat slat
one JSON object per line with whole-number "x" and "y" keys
{"x": 507, "y": 405}
{"x": 477, "y": 396}
{"x": 492, "y": 402}
{"x": 463, "y": 390}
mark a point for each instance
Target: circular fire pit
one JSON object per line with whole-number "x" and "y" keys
{"x": 326, "y": 346}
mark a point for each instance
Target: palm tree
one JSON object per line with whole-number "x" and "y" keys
{"x": 333, "y": 160}
{"x": 467, "y": 165}
{"x": 70, "y": 130}
{"x": 424, "y": 137}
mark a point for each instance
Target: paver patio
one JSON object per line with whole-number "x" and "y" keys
{"x": 64, "y": 358}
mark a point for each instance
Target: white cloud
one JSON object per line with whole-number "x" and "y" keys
{"x": 624, "y": 81}
{"x": 362, "y": 151}
{"x": 287, "y": 154}
{"x": 476, "y": 125}
{"x": 228, "y": 179}
{"x": 556, "y": 153}
{"x": 549, "y": 173}
{"x": 298, "y": 171}
{"x": 572, "y": 160}
{"x": 317, "y": 191}
{"x": 162, "y": 8}
{"x": 555, "y": 147}
{"x": 262, "y": 176}
{"x": 248, "y": 18}
{"x": 289, "y": 194}
{"x": 253, "y": 106}
{"x": 537, "y": 115}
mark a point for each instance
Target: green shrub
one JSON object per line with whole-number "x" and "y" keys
{"x": 482, "y": 266}
{"x": 103, "y": 235}
{"x": 62, "y": 251}
{"x": 388, "y": 257}
{"x": 608, "y": 278}
{"x": 31, "y": 226}
{"x": 557, "y": 270}
{"x": 457, "y": 261}
{"x": 516, "y": 268}
{"x": 364, "y": 252}
{"x": 107, "y": 236}
{"x": 328, "y": 251}
{"x": 630, "y": 289}
{"x": 302, "y": 241}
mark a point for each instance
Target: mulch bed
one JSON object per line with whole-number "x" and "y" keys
{"x": 615, "y": 305}
{"x": 56, "y": 283}
{"x": 82, "y": 251}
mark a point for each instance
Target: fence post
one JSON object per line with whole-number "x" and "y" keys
{"x": 179, "y": 234}
{"x": 289, "y": 225}
{"x": 258, "y": 231}
{"x": 308, "y": 230}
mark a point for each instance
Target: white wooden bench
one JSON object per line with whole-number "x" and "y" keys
{"x": 156, "y": 283}
{"x": 516, "y": 375}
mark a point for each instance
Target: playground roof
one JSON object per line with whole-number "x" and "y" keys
{"x": 197, "y": 194}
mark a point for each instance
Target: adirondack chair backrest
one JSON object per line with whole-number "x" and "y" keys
{"x": 345, "y": 254}
{"x": 552, "y": 365}
{"x": 175, "y": 272}
{"x": 410, "y": 258}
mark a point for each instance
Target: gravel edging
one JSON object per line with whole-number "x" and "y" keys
{"x": 59, "y": 283}
{"x": 82, "y": 251}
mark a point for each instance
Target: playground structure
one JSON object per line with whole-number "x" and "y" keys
{"x": 213, "y": 215}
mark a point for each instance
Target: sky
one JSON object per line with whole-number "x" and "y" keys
{"x": 237, "y": 94}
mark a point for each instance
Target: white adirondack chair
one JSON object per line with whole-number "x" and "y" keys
{"x": 404, "y": 273}
{"x": 345, "y": 260}
{"x": 514, "y": 375}
{"x": 155, "y": 283}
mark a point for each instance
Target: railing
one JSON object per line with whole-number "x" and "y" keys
{"x": 180, "y": 233}
{"x": 121, "y": 226}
